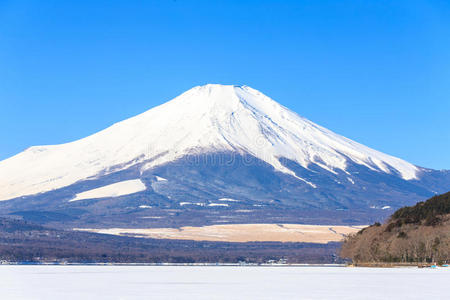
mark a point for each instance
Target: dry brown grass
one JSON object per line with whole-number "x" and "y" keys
{"x": 242, "y": 233}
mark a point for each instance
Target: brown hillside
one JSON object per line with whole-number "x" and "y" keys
{"x": 419, "y": 233}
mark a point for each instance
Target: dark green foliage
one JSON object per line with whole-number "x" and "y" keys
{"x": 402, "y": 235}
{"x": 428, "y": 211}
{"x": 376, "y": 224}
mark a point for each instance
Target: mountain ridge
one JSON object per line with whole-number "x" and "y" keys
{"x": 235, "y": 118}
{"x": 172, "y": 165}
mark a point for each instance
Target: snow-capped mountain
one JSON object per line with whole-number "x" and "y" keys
{"x": 208, "y": 118}
{"x": 215, "y": 127}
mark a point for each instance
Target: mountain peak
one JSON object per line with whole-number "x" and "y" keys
{"x": 217, "y": 93}
{"x": 206, "y": 118}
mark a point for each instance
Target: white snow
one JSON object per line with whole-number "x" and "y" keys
{"x": 145, "y": 206}
{"x": 218, "y": 204}
{"x": 228, "y": 200}
{"x": 304, "y": 180}
{"x": 204, "y": 119}
{"x": 221, "y": 282}
{"x": 377, "y": 207}
{"x": 192, "y": 203}
{"x": 113, "y": 190}
{"x": 160, "y": 178}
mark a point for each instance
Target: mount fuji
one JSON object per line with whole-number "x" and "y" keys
{"x": 214, "y": 154}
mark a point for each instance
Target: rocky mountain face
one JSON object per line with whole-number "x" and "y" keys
{"x": 214, "y": 155}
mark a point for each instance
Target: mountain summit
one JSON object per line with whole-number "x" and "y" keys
{"x": 208, "y": 118}
{"x": 286, "y": 159}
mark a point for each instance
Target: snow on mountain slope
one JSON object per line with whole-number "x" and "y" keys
{"x": 117, "y": 189}
{"x": 204, "y": 119}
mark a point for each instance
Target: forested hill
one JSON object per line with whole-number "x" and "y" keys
{"x": 419, "y": 233}
{"x": 430, "y": 212}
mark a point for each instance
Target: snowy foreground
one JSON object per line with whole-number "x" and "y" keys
{"x": 173, "y": 282}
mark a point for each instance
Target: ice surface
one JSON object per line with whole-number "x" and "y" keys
{"x": 166, "y": 282}
{"x": 204, "y": 119}
{"x": 113, "y": 190}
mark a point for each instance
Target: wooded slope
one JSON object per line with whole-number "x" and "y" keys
{"x": 419, "y": 233}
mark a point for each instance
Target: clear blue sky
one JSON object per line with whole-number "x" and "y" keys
{"x": 374, "y": 71}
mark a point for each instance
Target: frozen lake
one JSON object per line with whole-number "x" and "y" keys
{"x": 173, "y": 282}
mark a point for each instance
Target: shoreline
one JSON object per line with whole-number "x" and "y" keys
{"x": 169, "y": 264}
{"x": 396, "y": 265}
{"x": 243, "y": 264}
